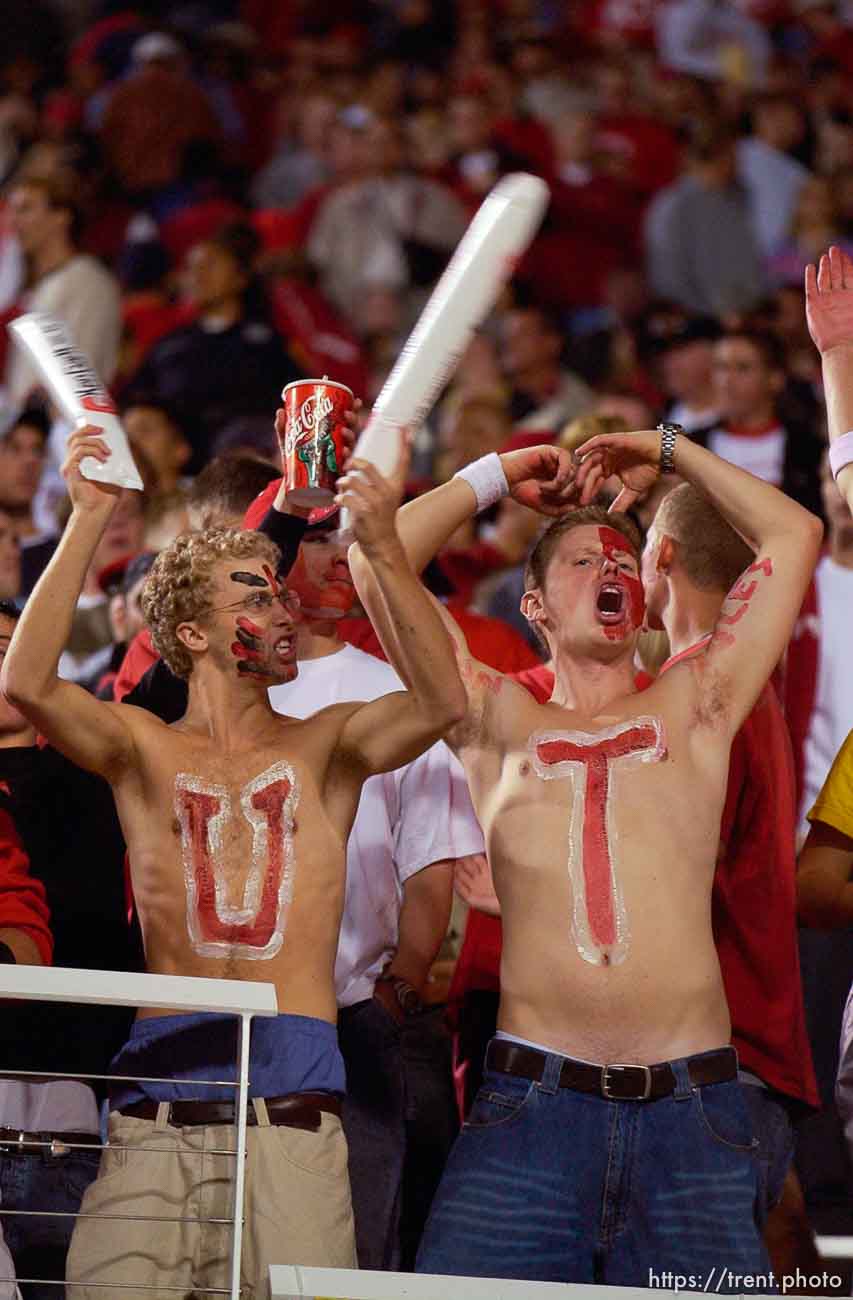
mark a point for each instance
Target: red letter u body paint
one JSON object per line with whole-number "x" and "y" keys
{"x": 255, "y": 928}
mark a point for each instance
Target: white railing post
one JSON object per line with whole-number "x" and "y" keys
{"x": 241, "y": 998}
{"x": 244, "y": 1030}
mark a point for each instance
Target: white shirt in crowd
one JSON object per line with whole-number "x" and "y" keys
{"x": 832, "y": 715}
{"x": 762, "y": 454}
{"x": 406, "y": 819}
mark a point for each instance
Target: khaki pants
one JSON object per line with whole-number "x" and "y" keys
{"x": 297, "y": 1208}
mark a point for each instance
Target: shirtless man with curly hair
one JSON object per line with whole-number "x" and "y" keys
{"x": 236, "y": 821}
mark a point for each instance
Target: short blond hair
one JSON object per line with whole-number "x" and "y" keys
{"x": 578, "y": 431}
{"x": 180, "y": 586}
{"x": 712, "y": 554}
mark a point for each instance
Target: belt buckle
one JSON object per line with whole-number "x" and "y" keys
{"x": 607, "y": 1070}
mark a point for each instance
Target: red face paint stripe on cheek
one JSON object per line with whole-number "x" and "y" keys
{"x": 614, "y": 544}
{"x": 248, "y": 626}
{"x": 271, "y": 579}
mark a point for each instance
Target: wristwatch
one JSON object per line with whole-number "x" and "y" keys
{"x": 408, "y": 998}
{"x": 668, "y": 434}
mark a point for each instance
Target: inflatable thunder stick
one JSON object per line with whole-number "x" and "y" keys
{"x": 79, "y": 394}
{"x": 486, "y": 257}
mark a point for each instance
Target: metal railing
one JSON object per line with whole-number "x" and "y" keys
{"x": 241, "y": 998}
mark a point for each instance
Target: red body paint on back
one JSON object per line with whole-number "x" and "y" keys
{"x": 614, "y": 544}
{"x": 597, "y": 864}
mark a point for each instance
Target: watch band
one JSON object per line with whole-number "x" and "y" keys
{"x": 408, "y": 998}
{"x": 668, "y": 435}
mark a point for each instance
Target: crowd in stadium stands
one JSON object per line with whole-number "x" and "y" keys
{"x": 220, "y": 197}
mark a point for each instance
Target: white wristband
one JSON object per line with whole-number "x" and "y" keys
{"x": 486, "y": 476}
{"x": 841, "y": 453}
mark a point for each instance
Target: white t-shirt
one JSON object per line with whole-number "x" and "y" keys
{"x": 832, "y": 716}
{"x": 762, "y": 455}
{"x": 406, "y": 819}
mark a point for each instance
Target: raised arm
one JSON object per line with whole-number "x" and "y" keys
{"x": 758, "y": 615}
{"x": 538, "y": 477}
{"x": 829, "y": 312}
{"x": 90, "y": 732}
{"x": 394, "y": 729}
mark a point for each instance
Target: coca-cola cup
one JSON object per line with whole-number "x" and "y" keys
{"x": 313, "y": 445}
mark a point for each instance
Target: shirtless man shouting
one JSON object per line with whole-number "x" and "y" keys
{"x": 610, "y": 1141}
{"x": 236, "y": 821}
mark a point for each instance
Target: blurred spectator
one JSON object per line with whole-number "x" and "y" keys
{"x": 22, "y": 458}
{"x": 749, "y": 379}
{"x": 640, "y": 149}
{"x": 545, "y": 396}
{"x": 712, "y": 38}
{"x": 302, "y": 158}
{"x": 700, "y": 248}
{"x": 819, "y": 698}
{"x": 122, "y": 584}
{"x": 593, "y": 224}
{"x": 479, "y": 156}
{"x": 814, "y": 226}
{"x": 10, "y": 559}
{"x": 773, "y": 178}
{"x": 229, "y": 362}
{"x": 154, "y": 118}
{"x": 155, "y": 428}
{"x": 220, "y": 495}
{"x": 391, "y": 229}
{"x": 686, "y": 369}
{"x": 44, "y": 215}
{"x": 90, "y": 629}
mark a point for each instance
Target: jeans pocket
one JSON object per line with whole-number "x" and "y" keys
{"x": 501, "y": 1099}
{"x": 725, "y": 1116}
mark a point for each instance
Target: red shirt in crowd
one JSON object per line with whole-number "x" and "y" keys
{"x": 23, "y": 902}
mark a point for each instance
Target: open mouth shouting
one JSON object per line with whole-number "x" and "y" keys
{"x": 611, "y": 603}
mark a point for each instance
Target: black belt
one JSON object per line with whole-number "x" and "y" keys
{"x": 14, "y": 1141}
{"x": 297, "y": 1110}
{"x": 613, "y": 1082}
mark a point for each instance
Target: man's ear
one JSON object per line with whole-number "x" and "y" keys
{"x": 666, "y": 554}
{"x": 532, "y": 607}
{"x": 192, "y": 636}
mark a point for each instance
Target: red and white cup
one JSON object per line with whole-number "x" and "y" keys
{"x": 312, "y": 449}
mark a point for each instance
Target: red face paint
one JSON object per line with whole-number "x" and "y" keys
{"x": 599, "y": 922}
{"x": 255, "y": 929}
{"x": 271, "y": 579}
{"x": 614, "y": 545}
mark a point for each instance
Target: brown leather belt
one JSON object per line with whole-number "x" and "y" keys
{"x": 14, "y": 1141}
{"x": 297, "y": 1110}
{"x": 613, "y": 1082}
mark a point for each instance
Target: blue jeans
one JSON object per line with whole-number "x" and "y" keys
{"x": 374, "y": 1124}
{"x": 774, "y": 1132}
{"x": 43, "y": 1182}
{"x": 554, "y": 1185}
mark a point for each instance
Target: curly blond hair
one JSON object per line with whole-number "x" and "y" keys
{"x": 179, "y": 587}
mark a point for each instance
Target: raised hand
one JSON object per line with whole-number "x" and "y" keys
{"x": 86, "y": 494}
{"x": 829, "y": 300}
{"x": 373, "y": 500}
{"x": 632, "y": 457}
{"x": 542, "y": 478}
{"x": 472, "y": 880}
